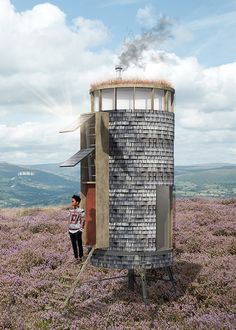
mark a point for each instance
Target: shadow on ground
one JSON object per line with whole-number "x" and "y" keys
{"x": 159, "y": 290}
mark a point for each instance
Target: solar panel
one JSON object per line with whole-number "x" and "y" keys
{"x": 76, "y": 158}
{"x": 79, "y": 122}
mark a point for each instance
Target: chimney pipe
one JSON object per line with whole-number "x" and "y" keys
{"x": 119, "y": 70}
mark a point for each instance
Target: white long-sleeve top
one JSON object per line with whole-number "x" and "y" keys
{"x": 76, "y": 220}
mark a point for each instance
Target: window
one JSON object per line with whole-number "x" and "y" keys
{"x": 143, "y": 98}
{"x": 125, "y": 98}
{"x": 159, "y": 99}
{"x": 107, "y": 99}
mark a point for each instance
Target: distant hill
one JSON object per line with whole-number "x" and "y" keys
{"x": 207, "y": 180}
{"x": 49, "y": 184}
{"x": 28, "y": 186}
{"x": 211, "y": 180}
{"x": 67, "y": 172}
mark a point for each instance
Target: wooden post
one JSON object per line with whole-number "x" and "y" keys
{"x": 131, "y": 279}
{"x": 152, "y": 98}
{"x": 92, "y": 101}
{"x": 102, "y": 179}
{"x": 144, "y": 284}
{"x": 172, "y": 101}
{"x": 100, "y": 100}
{"x": 166, "y": 93}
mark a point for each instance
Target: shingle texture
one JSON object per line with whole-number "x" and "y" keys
{"x": 141, "y": 156}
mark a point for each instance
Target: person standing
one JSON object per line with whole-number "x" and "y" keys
{"x": 76, "y": 227}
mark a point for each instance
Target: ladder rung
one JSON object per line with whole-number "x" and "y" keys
{"x": 60, "y": 302}
{"x": 48, "y": 307}
{"x": 65, "y": 285}
{"x": 77, "y": 280}
{"x": 60, "y": 294}
{"x": 67, "y": 277}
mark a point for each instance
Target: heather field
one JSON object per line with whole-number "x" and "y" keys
{"x": 36, "y": 267}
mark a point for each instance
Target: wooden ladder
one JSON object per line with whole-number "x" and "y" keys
{"x": 63, "y": 298}
{"x": 77, "y": 279}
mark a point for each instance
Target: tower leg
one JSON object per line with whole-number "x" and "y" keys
{"x": 144, "y": 284}
{"x": 171, "y": 277}
{"x": 131, "y": 279}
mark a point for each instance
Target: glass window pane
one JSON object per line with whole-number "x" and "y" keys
{"x": 125, "y": 98}
{"x": 107, "y": 99}
{"x": 96, "y": 101}
{"x": 143, "y": 98}
{"x": 159, "y": 99}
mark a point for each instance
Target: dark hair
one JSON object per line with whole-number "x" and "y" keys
{"x": 77, "y": 198}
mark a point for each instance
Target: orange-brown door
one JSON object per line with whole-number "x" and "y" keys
{"x": 90, "y": 214}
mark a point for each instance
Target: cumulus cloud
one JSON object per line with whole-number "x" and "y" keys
{"x": 205, "y": 105}
{"x": 46, "y": 69}
{"x": 47, "y": 66}
{"x": 90, "y": 32}
{"x": 147, "y": 16}
{"x": 36, "y": 142}
{"x": 37, "y": 47}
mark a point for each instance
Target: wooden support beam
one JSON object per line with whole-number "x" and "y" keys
{"x": 92, "y": 101}
{"x": 172, "y": 102}
{"x": 144, "y": 284}
{"x": 131, "y": 279}
{"x": 102, "y": 179}
{"x": 166, "y": 94}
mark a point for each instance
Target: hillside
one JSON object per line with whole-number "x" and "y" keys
{"x": 22, "y": 186}
{"x": 36, "y": 263}
{"x": 206, "y": 181}
{"x": 67, "y": 172}
{"x": 209, "y": 180}
{"x": 49, "y": 184}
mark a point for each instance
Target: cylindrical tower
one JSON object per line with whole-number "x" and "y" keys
{"x": 134, "y": 173}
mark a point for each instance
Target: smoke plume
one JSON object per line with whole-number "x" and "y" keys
{"x": 134, "y": 48}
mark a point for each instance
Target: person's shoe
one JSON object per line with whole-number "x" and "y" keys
{"x": 76, "y": 261}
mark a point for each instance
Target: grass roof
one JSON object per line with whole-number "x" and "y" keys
{"x": 131, "y": 82}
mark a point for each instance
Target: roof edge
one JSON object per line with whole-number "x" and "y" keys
{"x": 112, "y": 83}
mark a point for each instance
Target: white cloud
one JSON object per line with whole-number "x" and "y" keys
{"x": 90, "y": 32}
{"x": 35, "y": 142}
{"x": 46, "y": 68}
{"x": 40, "y": 41}
{"x": 147, "y": 16}
{"x": 205, "y": 105}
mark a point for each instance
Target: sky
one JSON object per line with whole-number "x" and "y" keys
{"x": 50, "y": 53}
